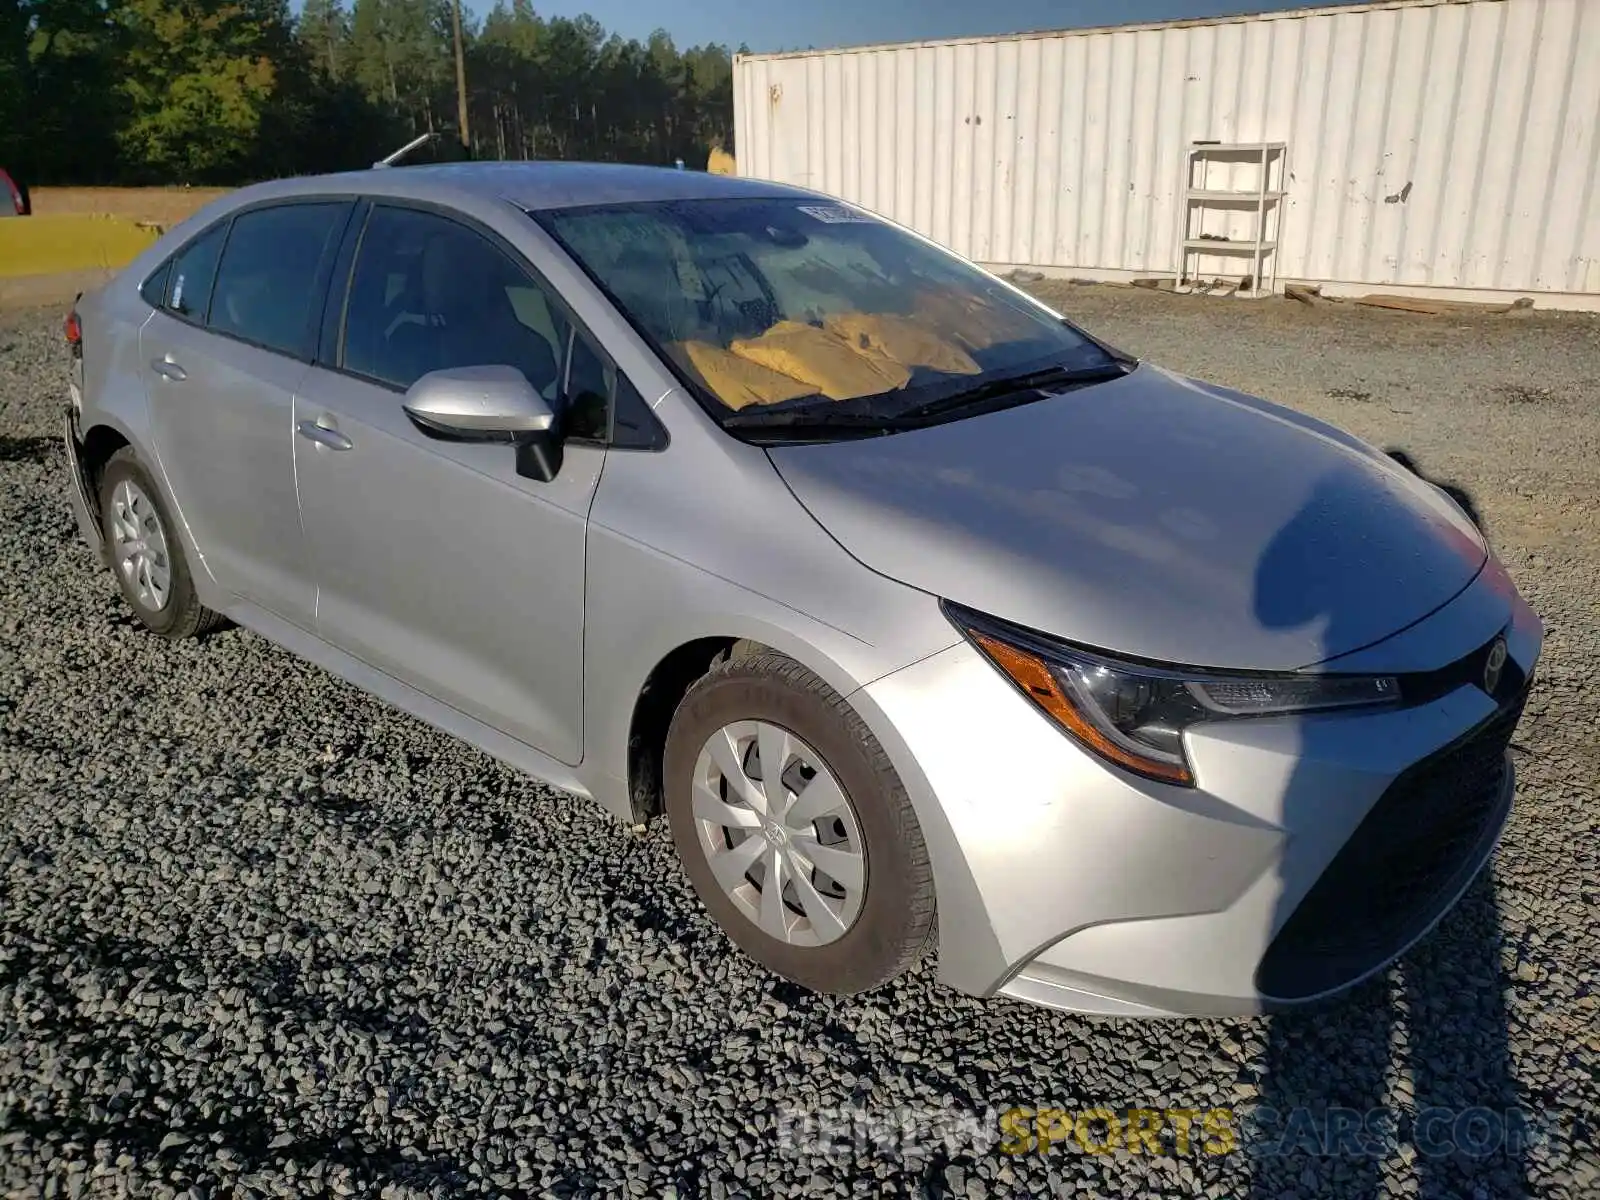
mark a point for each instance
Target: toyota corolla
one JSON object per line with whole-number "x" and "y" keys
{"x": 909, "y": 604}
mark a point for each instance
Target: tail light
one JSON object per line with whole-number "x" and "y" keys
{"x": 73, "y": 328}
{"x": 15, "y": 194}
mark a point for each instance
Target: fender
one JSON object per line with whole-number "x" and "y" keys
{"x": 211, "y": 594}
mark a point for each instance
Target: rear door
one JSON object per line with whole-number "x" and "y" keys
{"x": 223, "y": 355}
{"x": 435, "y": 561}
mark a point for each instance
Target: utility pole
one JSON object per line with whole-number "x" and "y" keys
{"x": 461, "y": 80}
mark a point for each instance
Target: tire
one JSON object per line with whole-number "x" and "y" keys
{"x": 173, "y": 608}
{"x": 878, "y": 930}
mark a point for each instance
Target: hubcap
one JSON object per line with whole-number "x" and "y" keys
{"x": 779, "y": 833}
{"x": 139, "y": 545}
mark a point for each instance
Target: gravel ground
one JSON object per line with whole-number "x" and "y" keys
{"x": 261, "y": 936}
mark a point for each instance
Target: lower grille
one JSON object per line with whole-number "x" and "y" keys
{"x": 1404, "y": 862}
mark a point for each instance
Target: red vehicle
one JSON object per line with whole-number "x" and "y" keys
{"x": 13, "y": 200}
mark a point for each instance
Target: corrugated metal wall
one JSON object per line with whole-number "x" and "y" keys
{"x": 1432, "y": 143}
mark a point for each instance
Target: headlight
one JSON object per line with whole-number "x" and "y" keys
{"x": 1134, "y": 715}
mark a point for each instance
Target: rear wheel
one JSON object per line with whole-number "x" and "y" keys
{"x": 794, "y": 828}
{"x": 145, "y": 554}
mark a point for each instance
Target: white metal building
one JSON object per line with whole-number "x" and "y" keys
{"x": 1425, "y": 145}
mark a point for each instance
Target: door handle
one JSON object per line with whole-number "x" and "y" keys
{"x": 168, "y": 369}
{"x": 323, "y": 436}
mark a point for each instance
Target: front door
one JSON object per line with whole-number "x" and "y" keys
{"x": 435, "y": 561}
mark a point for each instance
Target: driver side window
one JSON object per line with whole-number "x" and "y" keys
{"x": 429, "y": 294}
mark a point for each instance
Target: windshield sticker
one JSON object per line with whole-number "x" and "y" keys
{"x": 833, "y": 214}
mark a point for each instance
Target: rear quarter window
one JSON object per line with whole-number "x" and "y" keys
{"x": 154, "y": 290}
{"x": 193, "y": 271}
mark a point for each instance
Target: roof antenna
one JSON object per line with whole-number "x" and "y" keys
{"x": 390, "y": 159}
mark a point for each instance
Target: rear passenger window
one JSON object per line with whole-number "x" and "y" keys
{"x": 193, "y": 271}
{"x": 269, "y": 287}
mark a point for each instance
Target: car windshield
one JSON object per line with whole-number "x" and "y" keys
{"x": 798, "y": 302}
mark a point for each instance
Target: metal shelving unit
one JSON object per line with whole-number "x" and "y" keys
{"x": 1265, "y": 197}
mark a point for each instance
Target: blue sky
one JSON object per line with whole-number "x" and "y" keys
{"x": 796, "y": 24}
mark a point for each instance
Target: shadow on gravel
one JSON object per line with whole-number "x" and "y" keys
{"x": 79, "y": 984}
{"x": 1333, "y": 1121}
{"x": 25, "y": 449}
{"x": 1405, "y": 1085}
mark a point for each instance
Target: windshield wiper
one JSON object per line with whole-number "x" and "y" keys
{"x": 823, "y": 416}
{"x": 814, "y": 416}
{"x": 996, "y": 389}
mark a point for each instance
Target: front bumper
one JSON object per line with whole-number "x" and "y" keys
{"x": 1067, "y": 883}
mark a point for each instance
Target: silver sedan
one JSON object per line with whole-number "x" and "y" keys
{"x": 899, "y": 595}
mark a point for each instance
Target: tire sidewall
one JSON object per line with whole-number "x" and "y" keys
{"x": 864, "y": 956}
{"x": 124, "y": 466}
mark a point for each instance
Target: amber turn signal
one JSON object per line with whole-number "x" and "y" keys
{"x": 1039, "y": 683}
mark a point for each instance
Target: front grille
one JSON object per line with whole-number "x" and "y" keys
{"x": 1424, "y": 687}
{"x": 1405, "y": 861}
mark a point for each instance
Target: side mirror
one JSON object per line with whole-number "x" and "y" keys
{"x": 488, "y": 404}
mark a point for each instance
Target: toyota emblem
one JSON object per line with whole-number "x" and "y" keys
{"x": 1493, "y": 665}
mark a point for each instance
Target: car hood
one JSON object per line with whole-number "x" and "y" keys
{"x": 1152, "y": 516}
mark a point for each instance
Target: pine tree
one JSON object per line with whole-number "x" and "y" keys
{"x": 324, "y": 27}
{"x": 224, "y": 91}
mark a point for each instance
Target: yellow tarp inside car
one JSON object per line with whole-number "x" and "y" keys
{"x": 900, "y": 340}
{"x": 823, "y": 359}
{"x": 737, "y": 381}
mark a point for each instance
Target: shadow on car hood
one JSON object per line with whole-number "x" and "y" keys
{"x": 1152, "y": 516}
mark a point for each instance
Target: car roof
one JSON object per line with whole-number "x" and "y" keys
{"x": 534, "y": 186}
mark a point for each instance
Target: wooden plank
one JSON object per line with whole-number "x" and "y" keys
{"x": 1471, "y": 306}
{"x": 1433, "y": 308}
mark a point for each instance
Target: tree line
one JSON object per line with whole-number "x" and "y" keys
{"x": 228, "y": 91}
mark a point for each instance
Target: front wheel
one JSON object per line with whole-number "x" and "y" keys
{"x": 794, "y": 828}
